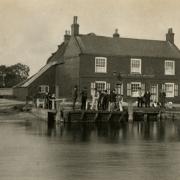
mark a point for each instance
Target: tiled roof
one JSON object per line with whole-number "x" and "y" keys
{"x": 100, "y": 45}
{"x": 58, "y": 55}
{"x": 38, "y": 74}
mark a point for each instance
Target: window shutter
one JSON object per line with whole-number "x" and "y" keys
{"x": 40, "y": 89}
{"x": 122, "y": 89}
{"x": 143, "y": 88}
{"x": 163, "y": 87}
{"x": 108, "y": 88}
{"x": 128, "y": 89}
{"x": 176, "y": 90}
{"x": 92, "y": 88}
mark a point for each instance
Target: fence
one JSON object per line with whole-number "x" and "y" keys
{"x": 6, "y": 92}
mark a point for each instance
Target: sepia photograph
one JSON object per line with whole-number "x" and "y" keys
{"x": 89, "y": 89}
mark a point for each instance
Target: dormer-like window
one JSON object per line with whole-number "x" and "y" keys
{"x": 101, "y": 65}
{"x": 43, "y": 89}
{"x": 135, "y": 66}
{"x": 169, "y": 67}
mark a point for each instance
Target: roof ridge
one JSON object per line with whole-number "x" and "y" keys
{"x": 129, "y": 38}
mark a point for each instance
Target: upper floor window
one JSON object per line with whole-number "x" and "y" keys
{"x": 43, "y": 88}
{"x": 136, "y": 66}
{"x": 169, "y": 67}
{"x": 100, "y": 65}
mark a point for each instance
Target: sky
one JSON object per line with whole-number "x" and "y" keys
{"x": 31, "y": 30}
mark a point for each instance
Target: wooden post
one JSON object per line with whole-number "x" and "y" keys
{"x": 53, "y": 104}
{"x": 145, "y": 117}
{"x": 130, "y": 111}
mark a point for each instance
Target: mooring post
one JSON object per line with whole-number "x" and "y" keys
{"x": 130, "y": 111}
{"x": 59, "y": 110}
{"x": 145, "y": 117}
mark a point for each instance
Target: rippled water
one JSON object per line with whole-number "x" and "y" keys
{"x": 29, "y": 150}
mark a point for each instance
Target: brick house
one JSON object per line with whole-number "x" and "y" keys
{"x": 111, "y": 62}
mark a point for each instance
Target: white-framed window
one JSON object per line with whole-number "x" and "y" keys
{"x": 169, "y": 89}
{"x": 135, "y": 66}
{"x": 135, "y": 86}
{"x": 100, "y": 86}
{"x": 134, "y": 89}
{"x": 169, "y": 67}
{"x": 43, "y": 88}
{"x": 101, "y": 65}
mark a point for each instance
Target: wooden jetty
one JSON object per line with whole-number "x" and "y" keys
{"x": 89, "y": 116}
{"x": 146, "y": 114}
{"x": 95, "y": 116}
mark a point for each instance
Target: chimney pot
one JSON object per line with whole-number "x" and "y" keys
{"x": 170, "y": 36}
{"x": 75, "y": 27}
{"x": 116, "y": 34}
{"x": 66, "y": 36}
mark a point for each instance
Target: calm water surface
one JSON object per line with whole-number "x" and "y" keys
{"x": 29, "y": 150}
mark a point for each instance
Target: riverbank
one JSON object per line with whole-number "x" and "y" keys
{"x": 11, "y": 110}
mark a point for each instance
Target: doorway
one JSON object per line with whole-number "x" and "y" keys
{"x": 154, "y": 92}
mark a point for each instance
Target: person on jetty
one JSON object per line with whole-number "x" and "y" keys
{"x": 100, "y": 100}
{"x": 140, "y": 98}
{"x": 112, "y": 100}
{"x": 147, "y": 96}
{"x": 120, "y": 102}
{"x": 83, "y": 98}
{"x": 74, "y": 96}
{"x": 105, "y": 101}
{"x": 95, "y": 97}
{"x": 162, "y": 98}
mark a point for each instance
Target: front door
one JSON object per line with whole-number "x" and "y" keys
{"x": 154, "y": 92}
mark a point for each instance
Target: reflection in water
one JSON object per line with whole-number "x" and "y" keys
{"x": 140, "y": 150}
{"x": 158, "y": 131}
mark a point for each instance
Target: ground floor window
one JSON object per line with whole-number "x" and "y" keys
{"x": 134, "y": 87}
{"x": 169, "y": 89}
{"x": 43, "y": 89}
{"x": 100, "y": 86}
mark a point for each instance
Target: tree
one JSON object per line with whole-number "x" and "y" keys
{"x": 13, "y": 74}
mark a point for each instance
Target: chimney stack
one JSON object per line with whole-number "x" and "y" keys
{"x": 67, "y": 36}
{"x": 116, "y": 34}
{"x": 170, "y": 36}
{"x": 75, "y": 27}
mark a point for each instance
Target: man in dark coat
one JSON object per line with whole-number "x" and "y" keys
{"x": 105, "y": 101}
{"x": 147, "y": 97}
{"x": 83, "y": 98}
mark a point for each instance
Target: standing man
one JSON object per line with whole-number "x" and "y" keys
{"x": 95, "y": 97}
{"x": 112, "y": 100}
{"x": 140, "y": 98}
{"x": 147, "y": 97}
{"x": 163, "y": 99}
{"x": 83, "y": 98}
{"x": 74, "y": 96}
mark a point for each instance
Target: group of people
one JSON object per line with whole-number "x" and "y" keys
{"x": 143, "y": 98}
{"x": 101, "y": 100}
{"x": 146, "y": 99}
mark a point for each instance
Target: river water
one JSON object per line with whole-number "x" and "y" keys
{"x": 29, "y": 150}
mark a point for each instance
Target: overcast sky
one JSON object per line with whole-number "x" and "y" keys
{"x": 31, "y": 29}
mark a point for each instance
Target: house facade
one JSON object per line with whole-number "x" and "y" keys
{"x": 108, "y": 63}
